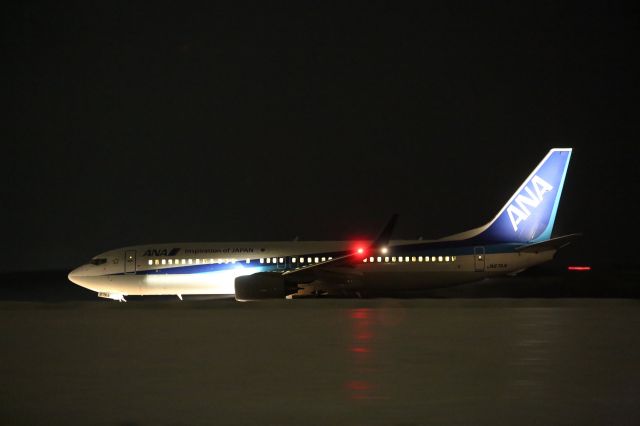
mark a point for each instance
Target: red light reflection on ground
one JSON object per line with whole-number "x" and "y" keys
{"x": 360, "y": 347}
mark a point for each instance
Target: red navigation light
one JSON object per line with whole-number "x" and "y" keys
{"x": 360, "y": 250}
{"x": 579, "y": 268}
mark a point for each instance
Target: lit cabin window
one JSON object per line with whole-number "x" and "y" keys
{"x": 170, "y": 261}
{"x": 453, "y": 258}
{"x": 426, "y": 258}
{"x": 308, "y": 260}
{"x": 379, "y": 259}
{"x": 261, "y": 260}
{"x": 419, "y": 258}
{"x": 198, "y": 261}
{"x": 268, "y": 260}
{"x": 433, "y": 258}
{"x": 190, "y": 261}
{"x": 293, "y": 260}
{"x": 364, "y": 260}
{"x": 248, "y": 260}
{"x": 446, "y": 258}
{"x": 156, "y": 261}
{"x": 406, "y": 259}
{"x": 302, "y": 260}
{"x": 281, "y": 260}
{"x": 324, "y": 259}
{"x": 150, "y": 262}
{"x": 439, "y": 258}
{"x": 330, "y": 257}
{"x": 386, "y": 259}
{"x": 413, "y": 259}
{"x": 400, "y": 259}
{"x": 211, "y": 260}
{"x": 164, "y": 261}
{"x": 371, "y": 259}
{"x": 183, "y": 261}
{"x": 393, "y": 259}
{"x": 316, "y": 260}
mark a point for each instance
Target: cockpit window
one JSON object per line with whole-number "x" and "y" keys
{"x": 98, "y": 261}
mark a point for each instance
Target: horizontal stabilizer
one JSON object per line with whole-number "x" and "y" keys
{"x": 552, "y": 244}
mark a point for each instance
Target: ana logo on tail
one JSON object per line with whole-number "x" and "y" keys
{"x": 522, "y": 212}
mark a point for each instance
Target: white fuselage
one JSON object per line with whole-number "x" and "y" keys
{"x": 211, "y": 268}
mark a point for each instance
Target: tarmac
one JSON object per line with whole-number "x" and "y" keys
{"x": 444, "y": 361}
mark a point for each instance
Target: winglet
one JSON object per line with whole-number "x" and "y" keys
{"x": 385, "y": 234}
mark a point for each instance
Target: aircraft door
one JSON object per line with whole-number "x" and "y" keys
{"x": 130, "y": 262}
{"x": 478, "y": 258}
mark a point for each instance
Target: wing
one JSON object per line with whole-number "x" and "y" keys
{"x": 341, "y": 270}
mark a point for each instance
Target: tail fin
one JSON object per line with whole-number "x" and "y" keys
{"x": 530, "y": 213}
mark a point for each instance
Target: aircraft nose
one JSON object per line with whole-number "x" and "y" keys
{"x": 79, "y": 275}
{"x": 73, "y": 276}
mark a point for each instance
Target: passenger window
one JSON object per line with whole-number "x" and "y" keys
{"x": 446, "y": 258}
{"x": 293, "y": 260}
{"x": 156, "y": 261}
{"x": 268, "y": 260}
{"x": 386, "y": 259}
{"x": 190, "y": 261}
{"x": 150, "y": 262}
{"x": 413, "y": 259}
{"x": 164, "y": 261}
{"x": 439, "y": 258}
{"x": 419, "y": 258}
{"x": 379, "y": 259}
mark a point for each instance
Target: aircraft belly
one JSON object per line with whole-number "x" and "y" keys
{"x": 416, "y": 280}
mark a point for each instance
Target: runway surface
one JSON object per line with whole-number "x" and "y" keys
{"x": 318, "y": 362}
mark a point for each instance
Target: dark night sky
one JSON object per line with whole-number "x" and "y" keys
{"x": 133, "y": 123}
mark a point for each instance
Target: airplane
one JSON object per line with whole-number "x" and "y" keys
{"x": 518, "y": 237}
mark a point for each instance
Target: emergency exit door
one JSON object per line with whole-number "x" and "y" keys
{"x": 130, "y": 262}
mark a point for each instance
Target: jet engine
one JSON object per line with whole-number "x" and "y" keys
{"x": 263, "y": 285}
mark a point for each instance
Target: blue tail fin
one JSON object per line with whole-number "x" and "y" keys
{"x": 529, "y": 214}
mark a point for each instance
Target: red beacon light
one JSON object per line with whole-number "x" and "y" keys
{"x": 360, "y": 250}
{"x": 579, "y": 268}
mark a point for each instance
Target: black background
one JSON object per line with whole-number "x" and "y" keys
{"x": 134, "y": 122}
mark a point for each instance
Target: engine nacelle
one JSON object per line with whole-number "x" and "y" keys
{"x": 262, "y": 285}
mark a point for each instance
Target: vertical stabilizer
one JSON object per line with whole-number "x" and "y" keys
{"x": 530, "y": 213}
